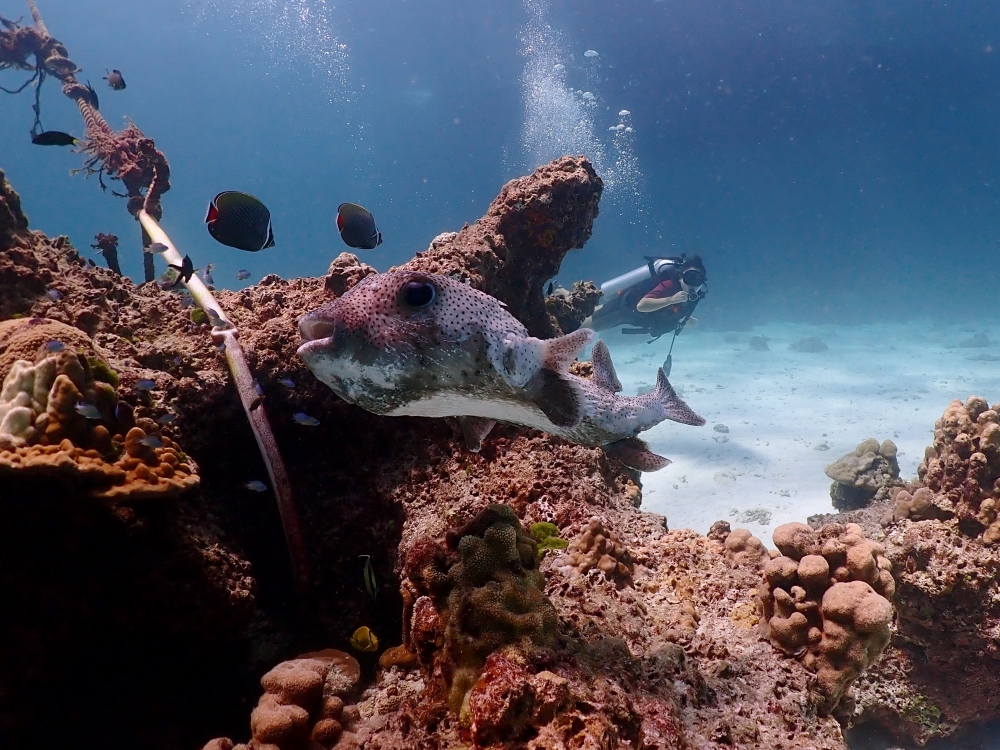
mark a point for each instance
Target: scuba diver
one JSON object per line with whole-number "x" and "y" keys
{"x": 654, "y": 299}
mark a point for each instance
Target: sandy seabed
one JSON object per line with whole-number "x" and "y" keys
{"x": 789, "y": 414}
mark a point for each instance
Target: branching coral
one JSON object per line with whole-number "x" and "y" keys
{"x": 478, "y": 593}
{"x": 827, "y": 600}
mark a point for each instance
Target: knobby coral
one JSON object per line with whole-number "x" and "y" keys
{"x": 859, "y": 475}
{"x": 597, "y": 547}
{"x": 479, "y": 592}
{"x": 827, "y": 600}
{"x": 302, "y": 705}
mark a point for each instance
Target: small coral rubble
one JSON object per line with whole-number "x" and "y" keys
{"x": 827, "y": 599}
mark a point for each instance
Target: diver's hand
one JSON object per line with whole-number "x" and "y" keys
{"x": 652, "y": 304}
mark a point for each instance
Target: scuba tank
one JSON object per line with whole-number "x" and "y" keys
{"x": 628, "y": 280}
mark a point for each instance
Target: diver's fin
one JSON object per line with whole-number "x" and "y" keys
{"x": 676, "y": 409}
{"x": 604, "y": 371}
{"x": 475, "y": 430}
{"x": 557, "y": 396}
{"x": 635, "y": 454}
{"x": 560, "y": 352}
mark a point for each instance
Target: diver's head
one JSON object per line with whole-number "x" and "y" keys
{"x": 693, "y": 276}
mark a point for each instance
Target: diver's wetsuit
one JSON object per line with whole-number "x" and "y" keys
{"x": 654, "y": 306}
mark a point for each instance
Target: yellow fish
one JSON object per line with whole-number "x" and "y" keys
{"x": 364, "y": 639}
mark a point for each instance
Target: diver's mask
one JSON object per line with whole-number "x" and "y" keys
{"x": 693, "y": 282}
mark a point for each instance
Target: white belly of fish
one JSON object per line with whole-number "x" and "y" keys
{"x": 462, "y": 405}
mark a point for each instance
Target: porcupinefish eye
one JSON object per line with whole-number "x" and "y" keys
{"x": 417, "y": 294}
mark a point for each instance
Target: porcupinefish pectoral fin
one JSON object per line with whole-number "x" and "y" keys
{"x": 604, "y": 371}
{"x": 675, "y": 408}
{"x": 635, "y": 454}
{"x": 475, "y": 430}
{"x": 557, "y": 396}
{"x": 560, "y": 352}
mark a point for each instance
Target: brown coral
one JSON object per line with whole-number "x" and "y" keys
{"x": 962, "y": 470}
{"x": 570, "y": 308}
{"x": 22, "y": 338}
{"x": 597, "y": 547}
{"x": 859, "y": 475}
{"x": 826, "y": 599}
{"x": 303, "y": 702}
{"x": 482, "y": 592}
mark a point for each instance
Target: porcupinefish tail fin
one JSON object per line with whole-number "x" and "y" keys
{"x": 475, "y": 430}
{"x": 604, "y": 370}
{"x": 674, "y": 407}
{"x": 635, "y": 454}
{"x": 557, "y": 396}
{"x": 559, "y": 353}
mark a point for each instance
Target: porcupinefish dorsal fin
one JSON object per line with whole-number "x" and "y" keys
{"x": 475, "y": 430}
{"x": 604, "y": 371}
{"x": 635, "y": 454}
{"x": 675, "y": 408}
{"x": 559, "y": 353}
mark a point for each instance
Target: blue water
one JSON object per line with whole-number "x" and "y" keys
{"x": 832, "y": 162}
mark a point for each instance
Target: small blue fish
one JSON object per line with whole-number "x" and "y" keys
{"x": 88, "y": 411}
{"x": 177, "y": 360}
{"x": 122, "y": 410}
{"x": 155, "y": 249}
{"x": 256, "y": 386}
{"x": 213, "y": 315}
{"x": 256, "y": 485}
{"x": 305, "y": 419}
{"x": 54, "y": 295}
{"x": 151, "y": 441}
{"x": 54, "y": 346}
{"x": 221, "y": 347}
{"x": 186, "y": 302}
{"x": 287, "y": 382}
{"x": 145, "y": 385}
{"x": 243, "y": 274}
{"x": 91, "y": 264}
{"x": 166, "y": 418}
{"x": 207, "y": 276}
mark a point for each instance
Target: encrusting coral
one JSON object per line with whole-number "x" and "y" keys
{"x": 57, "y": 420}
{"x": 827, "y": 599}
{"x": 597, "y": 547}
{"x": 478, "y": 593}
{"x": 859, "y": 475}
{"x": 302, "y": 705}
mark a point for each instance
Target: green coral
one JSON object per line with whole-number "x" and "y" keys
{"x": 102, "y": 371}
{"x": 199, "y": 316}
{"x": 547, "y": 535}
{"x": 921, "y": 711}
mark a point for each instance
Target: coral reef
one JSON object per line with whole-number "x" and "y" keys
{"x": 597, "y": 547}
{"x": 857, "y": 476}
{"x": 303, "y": 704}
{"x": 570, "y": 308}
{"x": 519, "y": 244}
{"x": 827, "y": 599}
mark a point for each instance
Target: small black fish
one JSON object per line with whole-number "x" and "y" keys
{"x": 53, "y": 138}
{"x": 239, "y": 220}
{"x": 357, "y": 227}
{"x": 184, "y": 271}
{"x": 92, "y": 97}
{"x": 115, "y": 79}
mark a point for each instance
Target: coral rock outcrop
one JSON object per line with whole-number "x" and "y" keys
{"x": 570, "y": 307}
{"x": 859, "y": 475}
{"x": 827, "y": 599}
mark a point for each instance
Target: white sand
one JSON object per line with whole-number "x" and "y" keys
{"x": 781, "y": 407}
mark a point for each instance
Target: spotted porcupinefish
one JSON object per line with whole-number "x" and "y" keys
{"x": 419, "y": 344}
